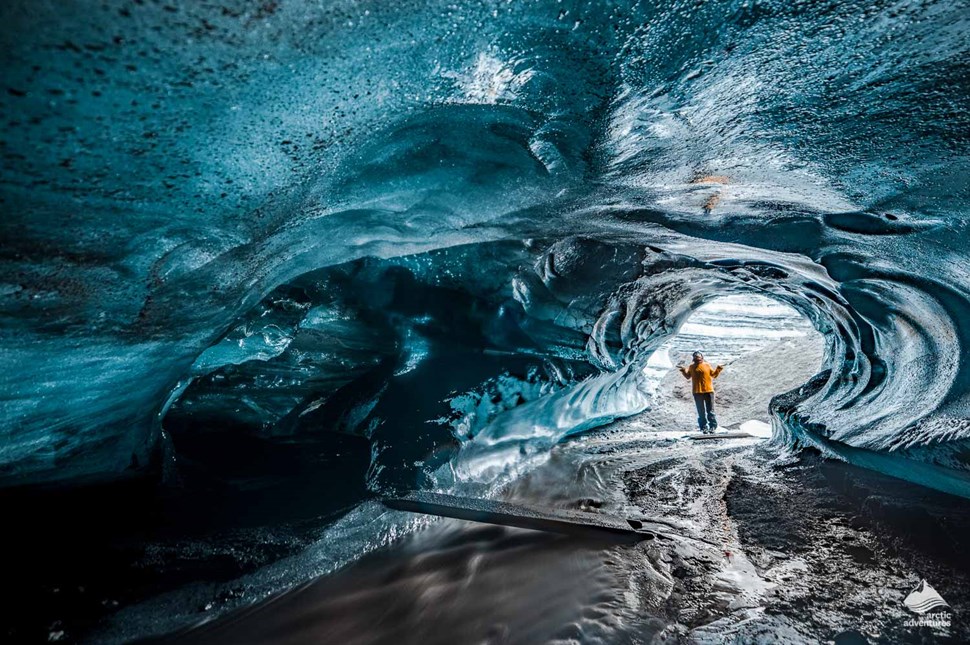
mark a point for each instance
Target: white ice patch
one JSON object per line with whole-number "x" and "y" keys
{"x": 417, "y": 349}
{"x": 655, "y": 145}
{"x": 756, "y": 428}
{"x": 729, "y": 326}
{"x": 740, "y": 581}
{"x": 488, "y": 81}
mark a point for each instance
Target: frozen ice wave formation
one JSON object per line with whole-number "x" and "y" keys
{"x": 294, "y": 220}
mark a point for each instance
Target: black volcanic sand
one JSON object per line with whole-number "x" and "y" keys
{"x": 869, "y": 538}
{"x": 750, "y": 551}
{"x": 841, "y": 546}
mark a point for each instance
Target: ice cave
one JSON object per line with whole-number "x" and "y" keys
{"x": 339, "y": 321}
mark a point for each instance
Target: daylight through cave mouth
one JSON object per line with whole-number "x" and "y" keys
{"x": 766, "y": 347}
{"x": 458, "y": 365}
{"x": 545, "y": 338}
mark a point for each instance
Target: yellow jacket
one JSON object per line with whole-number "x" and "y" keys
{"x": 702, "y": 376}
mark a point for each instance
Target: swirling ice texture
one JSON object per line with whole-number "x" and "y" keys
{"x": 167, "y": 166}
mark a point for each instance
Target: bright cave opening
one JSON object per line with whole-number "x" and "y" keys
{"x": 766, "y": 347}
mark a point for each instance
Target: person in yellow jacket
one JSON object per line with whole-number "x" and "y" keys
{"x": 702, "y": 385}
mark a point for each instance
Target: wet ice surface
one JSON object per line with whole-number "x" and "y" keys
{"x": 749, "y": 552}
{"x": 751, "y": 547}
{"x": 430, "y": 584}
{"x": 452, "y": 583}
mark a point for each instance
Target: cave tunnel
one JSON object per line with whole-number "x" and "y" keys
{"x": 266, "y": 266}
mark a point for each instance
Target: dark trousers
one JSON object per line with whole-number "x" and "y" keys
{"x": 705, "y": 411}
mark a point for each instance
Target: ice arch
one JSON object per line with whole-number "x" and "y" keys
{"x": 168, "y": 167}
{"x": 575, "y": 320}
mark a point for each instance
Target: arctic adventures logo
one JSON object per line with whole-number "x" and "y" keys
{"x": 929, "y": 604}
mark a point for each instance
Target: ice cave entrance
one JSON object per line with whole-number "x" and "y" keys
{"x": 766, "y": 346}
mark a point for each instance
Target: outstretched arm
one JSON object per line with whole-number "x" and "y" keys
{"x": 684, "y": 370}
{"x": 717, "y": 370}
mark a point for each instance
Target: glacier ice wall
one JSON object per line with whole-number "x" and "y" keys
{"x": 303, "y": 216}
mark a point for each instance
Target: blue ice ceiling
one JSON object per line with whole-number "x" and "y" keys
{"x": 298, "y": 217}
